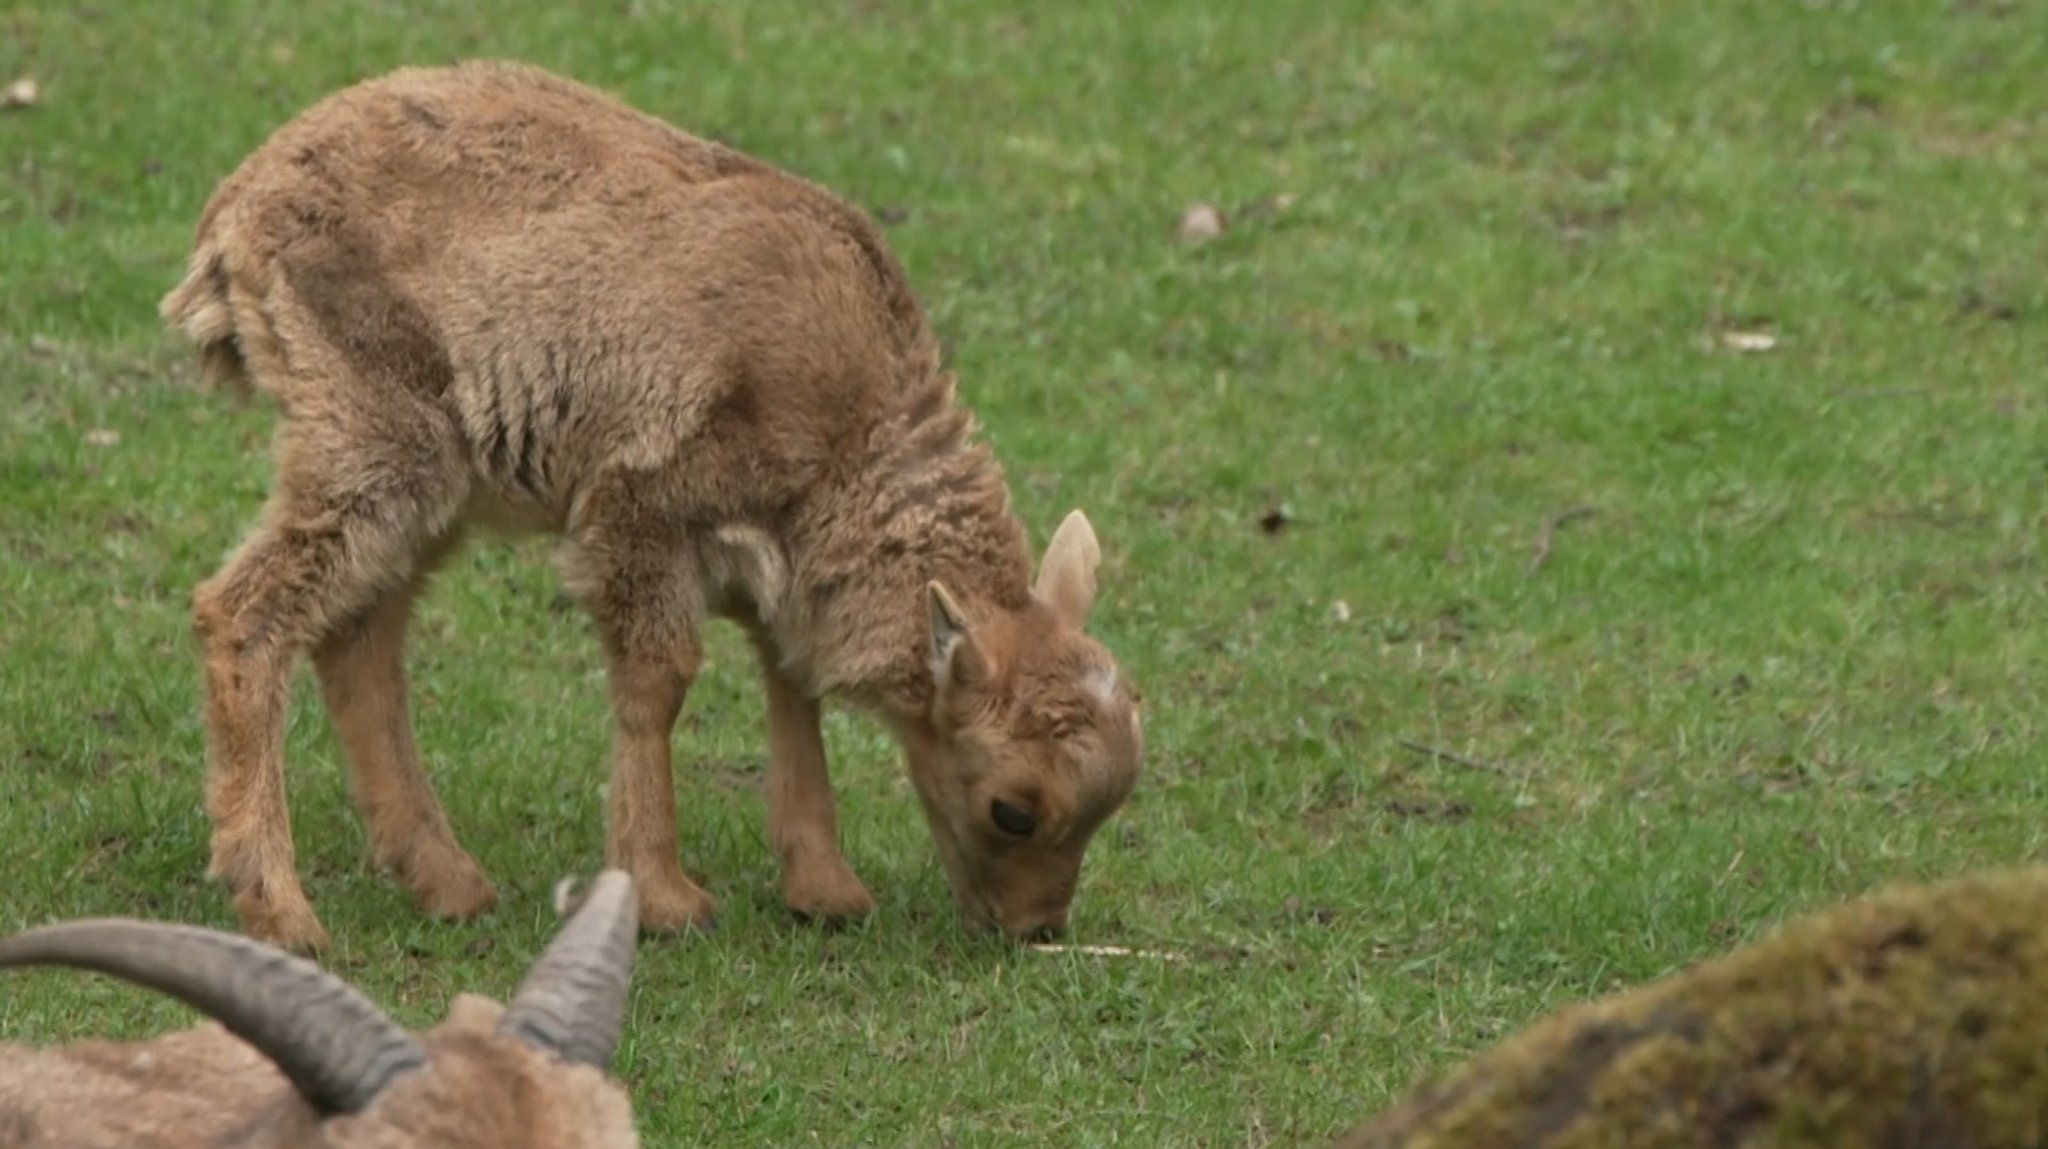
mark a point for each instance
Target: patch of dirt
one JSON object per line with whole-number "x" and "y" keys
{"x": 736, "y": 775}
{"x": 1578, "y": 225}
{"x": 125, "y": 523}
{"x": 1428, "y": 809}
{"x": 1846, "y": 112}
{"x": 1295, "y": 910}
{"x": 1974, "y": 301}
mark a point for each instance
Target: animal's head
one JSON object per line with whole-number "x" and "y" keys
{"x": 1033, "y": 742}
{"x": 531, "y": 1075}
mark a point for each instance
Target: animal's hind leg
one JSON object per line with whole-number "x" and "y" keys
{"x": 354, "y": 503}
{"x": 361, "y": 665}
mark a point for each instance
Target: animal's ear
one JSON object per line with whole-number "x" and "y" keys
{"x": 957, "y": 658}
{"x": 1066, "y": 575}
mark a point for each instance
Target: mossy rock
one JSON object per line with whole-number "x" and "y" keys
{"x": 1914, "y": 1018}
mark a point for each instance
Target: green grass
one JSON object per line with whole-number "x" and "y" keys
{"x": 1795, "y": 650}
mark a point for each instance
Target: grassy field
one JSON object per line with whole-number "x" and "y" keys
{"x": 1508, "y": 636}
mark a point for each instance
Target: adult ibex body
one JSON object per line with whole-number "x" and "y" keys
{"x": 297, "y": 1059}
{"x": 487, "y": 295}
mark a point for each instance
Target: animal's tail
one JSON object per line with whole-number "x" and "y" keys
{"x": 199, "y": 307}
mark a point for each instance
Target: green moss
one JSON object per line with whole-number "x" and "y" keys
{"x": 1917, "y": 1016}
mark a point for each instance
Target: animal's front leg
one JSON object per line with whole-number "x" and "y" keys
{"x": 647, "y": 695}
{"x": 631, "y": 575}
{"x": 802, "y": 824}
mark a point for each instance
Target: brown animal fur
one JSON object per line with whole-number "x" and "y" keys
{"x": 485, "y": 294}
{"x": 203, "y": 1087}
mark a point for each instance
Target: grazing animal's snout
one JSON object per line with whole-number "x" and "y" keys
{"x": 1050, "y": 931}
{"x": 1032, "y": 927}
{"x": 1040, "y": 917}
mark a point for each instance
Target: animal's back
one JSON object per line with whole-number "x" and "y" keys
{"x": 195, "y": 1087}
{"x": 578, "y": 283}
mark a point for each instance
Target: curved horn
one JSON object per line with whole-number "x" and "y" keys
{"x": 573, "y": 1002}
{"x": 334, "y": 1045}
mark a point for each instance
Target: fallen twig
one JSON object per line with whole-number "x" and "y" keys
{"x": 1549, "y": 530}
{"x": 1449, "y": 758}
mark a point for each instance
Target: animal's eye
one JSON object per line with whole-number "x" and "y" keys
{"x": 1012, "y": 819}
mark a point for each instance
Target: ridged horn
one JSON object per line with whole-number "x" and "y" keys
{"x": 333, "y": 1044}
{"x": 573, "y": 1001}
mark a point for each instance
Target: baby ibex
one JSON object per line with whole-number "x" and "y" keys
{"x": 487, "y": 295}
{"x": 297, "y": 1058}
